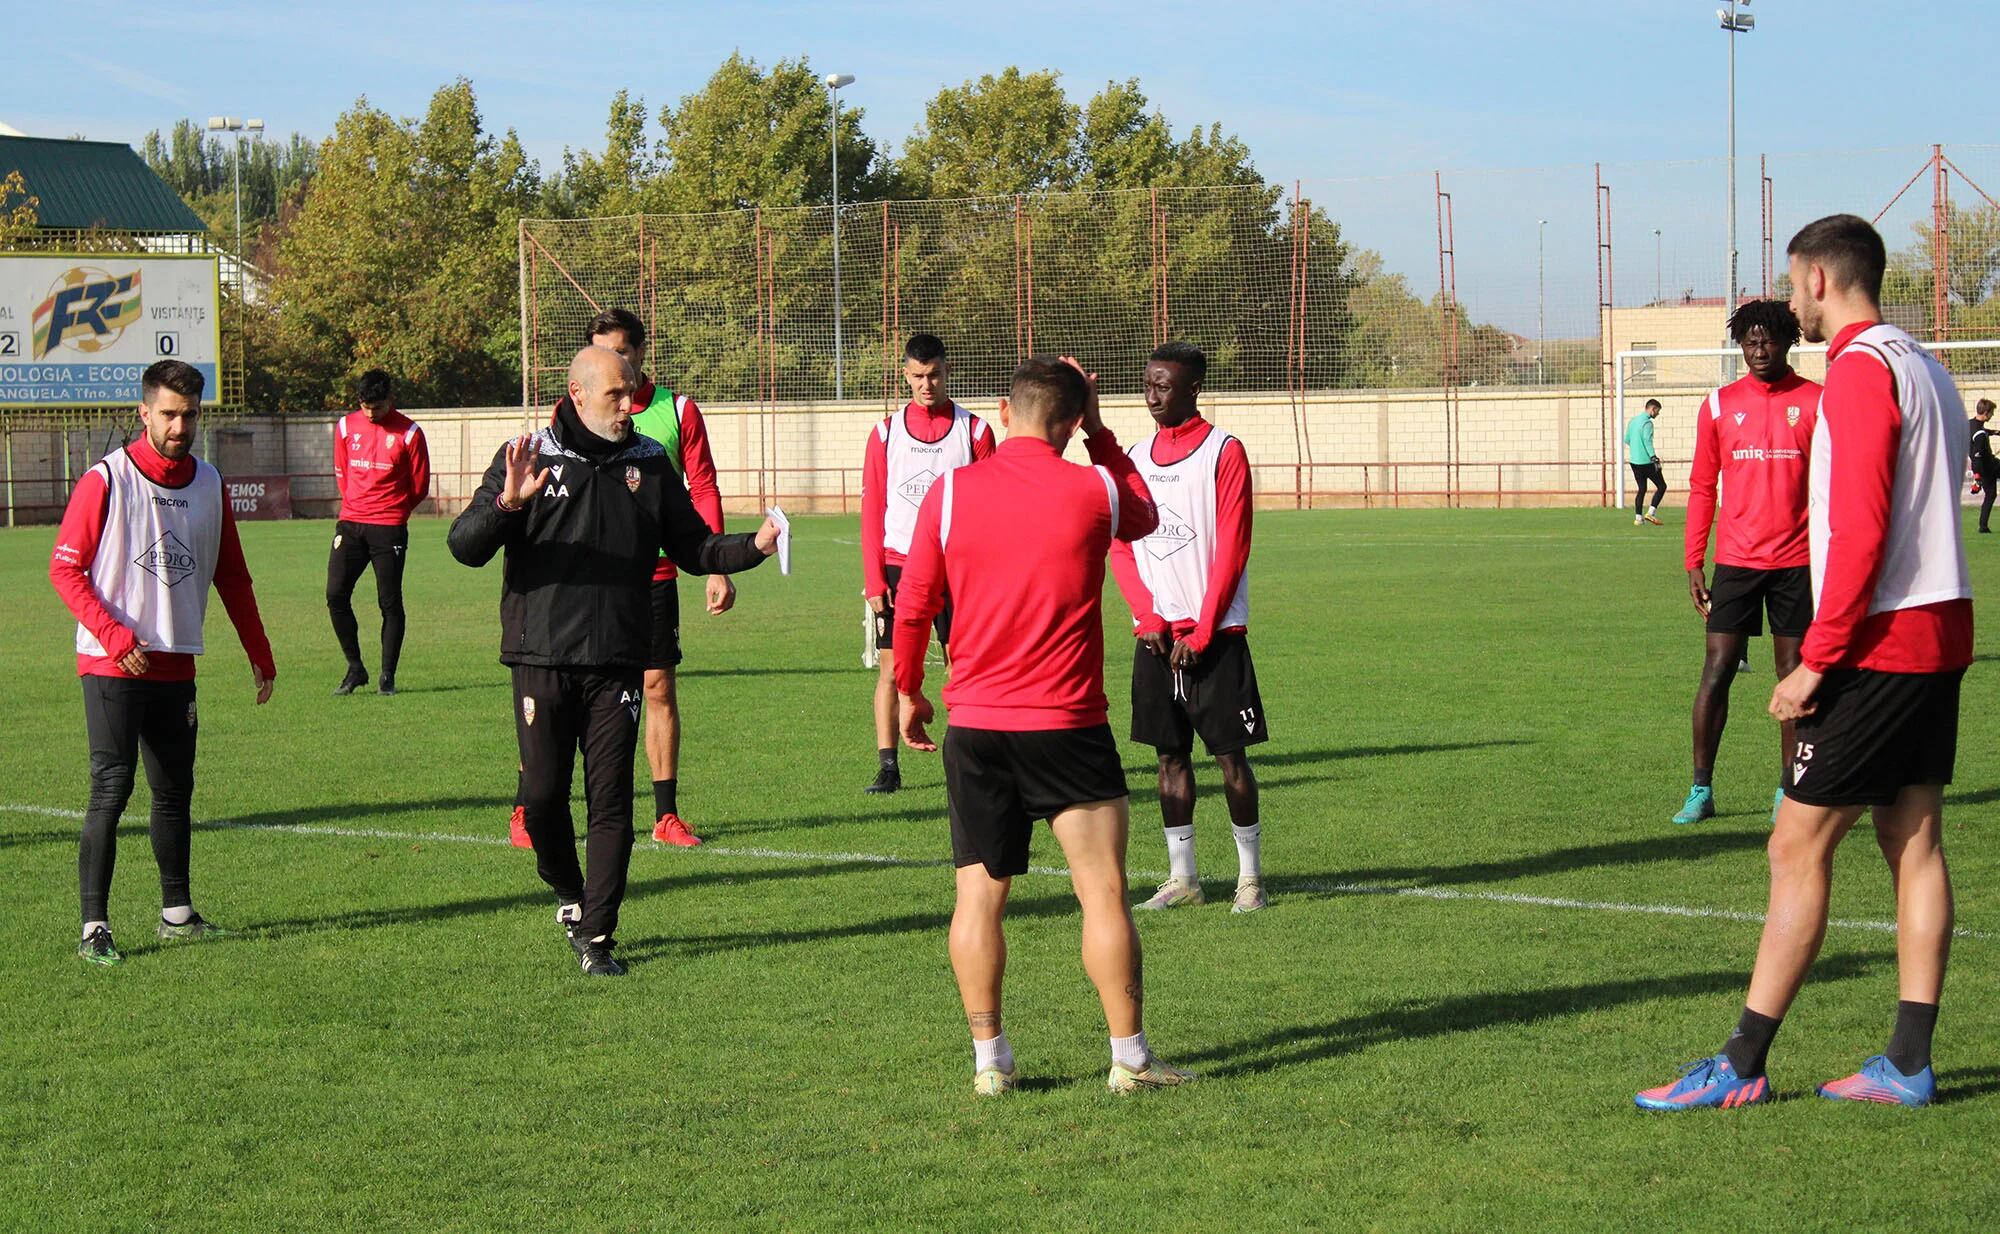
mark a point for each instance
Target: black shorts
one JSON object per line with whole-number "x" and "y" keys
{"x": 885, "y": 621}
{"x": 663, "y": 648}
{"x": 999, "y": 783}
{"x": 1739, "y": 596}
{"x": 1874, "y": 735}
{"x": 1644, "y": 473}
{"x": 1217, "y": 698}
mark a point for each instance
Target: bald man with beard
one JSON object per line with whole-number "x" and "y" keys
{"x": 582, "y": 509}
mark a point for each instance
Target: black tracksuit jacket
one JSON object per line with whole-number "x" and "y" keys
{"x": 580, "y": 555}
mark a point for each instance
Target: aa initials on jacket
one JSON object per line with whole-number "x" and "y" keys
{"x": 580, "y": 554}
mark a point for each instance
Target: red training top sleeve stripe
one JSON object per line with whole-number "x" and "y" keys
{"x": 1232, "y": 540}
{"x": 1137, "y": 516}
{"x": 874, "y": 512}
{"x": 420, "y": 471}
{"x": 69, "y": 565}
{"x": 1863, "y": 426}
{"x": 920, "y": 597}
{"x": 340, "y": 456}
{"x": 699, "y": 464}
{"x": 1701, "y": 486}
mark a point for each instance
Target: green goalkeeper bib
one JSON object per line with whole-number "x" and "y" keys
{"x": 660, "y": 419}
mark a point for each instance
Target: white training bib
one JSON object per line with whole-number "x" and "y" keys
{"x": 1175, "y": 559}
{"x": 156, "y": 556}
{"x": 1923, "y": 557}
{"x": 914, "y": 466}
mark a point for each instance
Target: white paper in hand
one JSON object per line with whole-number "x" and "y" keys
{"x": 784, "y": 539}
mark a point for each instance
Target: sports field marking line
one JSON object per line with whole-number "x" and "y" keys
{"x": 887, "y": 859}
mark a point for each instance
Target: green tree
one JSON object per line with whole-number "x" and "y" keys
{"x": 402, "y": 256}
{"x": 18, "y": 208}
{"x": 201, "y": 169}
{"x": 1014, "y": 133}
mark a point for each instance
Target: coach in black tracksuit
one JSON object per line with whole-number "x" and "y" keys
{"x": 583, "y": 509}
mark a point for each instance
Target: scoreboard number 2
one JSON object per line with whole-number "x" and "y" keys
{"x": 10, "y": 343}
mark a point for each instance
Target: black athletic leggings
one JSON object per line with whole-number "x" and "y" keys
{"x": 556, "y": 710}
{"x": 126, "y": 719}
{"x": 356, "y": 546}
{"x": 1986, "y": 483}
{"x": 1641, "y": 474}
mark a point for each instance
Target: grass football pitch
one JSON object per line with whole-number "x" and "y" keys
{"x": 1484, "y": 936}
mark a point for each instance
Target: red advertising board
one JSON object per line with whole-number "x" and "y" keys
{"x": 260, "y": 496}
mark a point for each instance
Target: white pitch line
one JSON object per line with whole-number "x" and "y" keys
{"x": 890, "y": 860}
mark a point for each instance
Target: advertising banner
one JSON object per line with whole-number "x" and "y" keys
{"x": 79, "y": 329}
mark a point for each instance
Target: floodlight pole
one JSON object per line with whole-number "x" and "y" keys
{"x": 834, "y": 81}
{"x": 1541, "y": 303}
{"x": 1733, "y": 24}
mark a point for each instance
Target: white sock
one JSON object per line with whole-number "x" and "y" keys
{"x": 180, "y": 914}
{"x": 1249, "y": 857}
{"x": 569, "y": 914}
{"x": 1180, "y": 852}
{"x": 1651, "y": 511}
{"x": 90, "y": 927}
{"x": 993, "y": 1052}
{"x": 1130, "y": 1051}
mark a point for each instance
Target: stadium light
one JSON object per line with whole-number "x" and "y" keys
{"x": 1734, "y": 22}
{"x": 1541, "y": 303}
{"x": 834, "y": 81}
{"x": 237, "y": 125}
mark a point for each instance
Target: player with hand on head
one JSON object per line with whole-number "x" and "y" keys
{"x": 1753, "y": 441}
{"x": 1188, "y": 586}
{"x": 906, "y": 454}
{"x": 382, "y": 466}
{"x": 582, "y": 509}
{"x": 148, "y": 529}
{"x": 1875, "y": 697}
{"x": 676, "y": 423}
{"x": 1028, "y": 736}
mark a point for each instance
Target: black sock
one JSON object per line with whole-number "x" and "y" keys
{"x": 1910, "y": 1045}
{"x": 519, "y": 800}
{"x": 663, "y": 798}
{"x": 1750, "y": 1044}
{"x": 888, "y": 758}
{"x": 1704, "y": 777}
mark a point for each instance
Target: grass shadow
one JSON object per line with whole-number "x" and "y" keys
{"x": 1969, "y": 1084}
{"x": 1466, "y": 1013}
{"x": 1296, "y": 758}
{"x": 1681, "y": 846}
{"x": 695, "y": 945}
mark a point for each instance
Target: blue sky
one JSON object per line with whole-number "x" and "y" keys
{"x": 1366, "y": 99}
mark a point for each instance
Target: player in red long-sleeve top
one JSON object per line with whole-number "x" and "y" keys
{"x": 1189, "y": 590}
{"x": 1753, "y": 440}
{"x": 1019, "y": 542}
{"x": 146, "y": 532}
{"x": 906, "y": 454}
{"x": 382, "y": 467}
{"x": 1875, "y": 699}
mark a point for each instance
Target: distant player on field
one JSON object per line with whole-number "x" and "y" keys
{"x": 1019, "y": 540}
{"x": 382, "y": 466}
{"x": 1645, "y": 463}
{"x": 676, "y": 423}
{"x": 1188, "y": 586}
{"x": 147, "y": 530}
{"x": 1754, "y": 437}
{"x": 1985, "y": 466}
{"x": 1876, "y": 697}
{"x": 907, "y": 452}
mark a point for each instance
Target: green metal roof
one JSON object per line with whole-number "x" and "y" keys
{"x": 95, "y": 184}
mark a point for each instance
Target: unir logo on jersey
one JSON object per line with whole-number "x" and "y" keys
{"x": 86, "y": 309}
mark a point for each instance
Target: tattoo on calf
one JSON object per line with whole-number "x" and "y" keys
{"x": 983, "y": 1019}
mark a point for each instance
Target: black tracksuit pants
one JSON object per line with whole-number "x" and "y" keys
{"x": 128, "y": 718}
{"x": 1986, "y": 482}
{"x": 356, "y": 546}
{"x": 556, "y": 710}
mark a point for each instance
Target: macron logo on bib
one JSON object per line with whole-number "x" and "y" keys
{"x": 167, "y": 559}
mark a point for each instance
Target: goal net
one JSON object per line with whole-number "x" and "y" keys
{"x": 1682, "y": 378}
